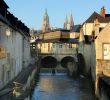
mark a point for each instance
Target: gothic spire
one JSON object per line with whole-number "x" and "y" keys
{"x": 66, "y": 22}
{"x": 46, "y": 12}
{"x": 46, "y": 24}
{"x": 71, "y": 23}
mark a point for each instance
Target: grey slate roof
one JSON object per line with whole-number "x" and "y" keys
{"x": 100, "y": 18}
{"x": 77, "y": 28}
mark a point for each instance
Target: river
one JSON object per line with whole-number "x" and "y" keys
{"x": 61, "y": 87}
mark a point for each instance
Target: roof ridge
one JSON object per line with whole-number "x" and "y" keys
{"x": 97, "y": 15}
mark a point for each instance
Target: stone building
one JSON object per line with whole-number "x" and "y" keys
{"x": 88, "y": 25}
{"x": 87, "y": 33}
{"x": 58, "y": 48}
{"x": 94, "y": 47}
{"x": 102, "y": 48}
{"x": 14, "y": 45}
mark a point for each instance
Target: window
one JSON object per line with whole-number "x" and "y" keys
{"x": 60, "y": 45}
{"x": 100, "y": 29}
{"x": 8, "y": 58}
{"x": 8, "y": 75}
{"x": 87, "y": 39}
{"x": 53, "y": 45}
{"x": 70, "y": 45}
{"x": 44, "y": 45}
{"x": 106, "y": 51}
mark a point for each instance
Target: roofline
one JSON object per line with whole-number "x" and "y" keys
{"x": 88, "y": 18}
{"x": 5, "y": 4}
{"x": 56, "y": 41}
{"x": 58, "y": 29}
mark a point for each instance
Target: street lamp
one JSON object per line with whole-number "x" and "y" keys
{"x": 8, "y": 32}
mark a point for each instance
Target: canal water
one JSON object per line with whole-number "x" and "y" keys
{"x": 61, "y": 87}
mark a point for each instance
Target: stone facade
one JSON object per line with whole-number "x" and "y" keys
{"x": 91, "y": 28}
{"x": 58, "y": 48}
{"x": 14, "y": 46}
{"x": 96, "y": 49}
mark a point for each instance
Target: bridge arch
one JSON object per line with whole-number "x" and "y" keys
{"x": 66, "y": 60}
{"x": 49, "y": 62}
{"x": 69, "y": 63}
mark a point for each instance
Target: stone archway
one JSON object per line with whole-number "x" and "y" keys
{"x": 48, "y": 62}
{"x": 69, "y": 63}
{"x": 65, "y": 60}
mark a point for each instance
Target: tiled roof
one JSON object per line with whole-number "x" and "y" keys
{"x": 100, "y": 18}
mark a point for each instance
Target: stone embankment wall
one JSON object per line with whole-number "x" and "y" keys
{"x": 103, "y": 80}
{"x": 22, "y": 86}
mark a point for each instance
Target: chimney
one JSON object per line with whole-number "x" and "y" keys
{"x": 102, "y": 12}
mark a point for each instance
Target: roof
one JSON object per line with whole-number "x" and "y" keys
{"x": 73, "y": 40}
{"x": 3, "y": 19}
{"x": 107, "y": 15}
{"x": 64, "y": 40}
{"x": 58, "y": 29}
{"x": 14, "y": 23}
{"x": 2, "y": 3}
{"x": 100, "y": 18}
{"x": 77, "y": 28}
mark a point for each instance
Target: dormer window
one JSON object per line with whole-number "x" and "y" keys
{"x": 87, "y": 39}
{"x": 100, "y": 29}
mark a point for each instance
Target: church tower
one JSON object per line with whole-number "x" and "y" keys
{"x": 66, "y": 23}
{"x": 69, "y": 25}
{"x": 46, "y": 24}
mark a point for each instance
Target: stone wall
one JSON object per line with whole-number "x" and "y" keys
{"x": 12, "y": 63}
{"x": 87, "y": 51}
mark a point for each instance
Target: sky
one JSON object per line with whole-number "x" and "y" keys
{"x": 31, "y": 12}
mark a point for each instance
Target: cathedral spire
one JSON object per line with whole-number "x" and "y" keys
{"x": 46, "y": 14}
{"x": 71, "y": 23}
{"x": 66, "y": 22}
{"x": 46, "y": 24}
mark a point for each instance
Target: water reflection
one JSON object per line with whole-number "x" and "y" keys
{"x": 63, "y": 88}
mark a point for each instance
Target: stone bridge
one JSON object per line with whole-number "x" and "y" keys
{"x": 59, "y": 61}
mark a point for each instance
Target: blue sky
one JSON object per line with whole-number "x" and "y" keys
{"x": 31, "y": 11}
